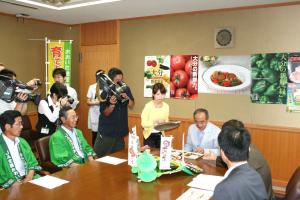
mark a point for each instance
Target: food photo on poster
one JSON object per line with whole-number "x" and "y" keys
{"x": 269, "y": 78}
{"x": 225, "y": 74}
{"x": 184, "y": 76}
{"x": 178, "y": 73}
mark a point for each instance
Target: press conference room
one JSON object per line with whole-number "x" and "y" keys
{"x": 154, "y": 99}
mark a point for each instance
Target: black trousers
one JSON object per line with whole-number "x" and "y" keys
{"x": 105, "y": 145}
{"x": 153, "y": 140}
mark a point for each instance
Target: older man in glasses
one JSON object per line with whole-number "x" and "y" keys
{"x": 67, "y": 145}
{"x": 202, "y": 135}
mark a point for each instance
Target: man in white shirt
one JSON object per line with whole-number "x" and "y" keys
{"x": 59, "y": 75}
{"x": 67, "y": 145}
{"x": 202, "y": 135}
{"x": 18, "y": 164}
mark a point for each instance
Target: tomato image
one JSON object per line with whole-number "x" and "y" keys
{"x": 192, "y": 87}
{"x": 177, "y": 62}
{"x": 172, "y": 89}
{"x": 180, "y": 79}
{"x": 188, "y": 67}
{"x": 153, "y": 63}
{"x": 149, "y": 63}
{"x": 182, "y": 93}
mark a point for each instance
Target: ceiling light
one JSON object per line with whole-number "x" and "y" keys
{"x": 68, "y": 6}
{"x": 56, "y": 1}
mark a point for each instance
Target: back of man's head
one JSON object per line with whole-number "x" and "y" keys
{"x": 8, "y": 117}
{"x": 235, "y": 123}
{"x": 235, "y": 143}
{"x": 59, "y": 71}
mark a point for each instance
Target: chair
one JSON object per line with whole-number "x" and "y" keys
{"x": 28, "y": 133}
{"x": 42, "y": 147}
{"x": 292, "y": 188}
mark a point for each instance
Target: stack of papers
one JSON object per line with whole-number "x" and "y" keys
{"x": 196, "y": 194}
{"x": 111, "y": 160}
{"x": 49, "y": 182}
{"x": 206, "y": 182}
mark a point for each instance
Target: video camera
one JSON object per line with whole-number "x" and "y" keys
{"x": 111, "y": 88}
{"x": 10, "y": 88}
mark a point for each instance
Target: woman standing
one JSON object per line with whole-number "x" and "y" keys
{"x": 155, "y": 112}
{"x": 94, "y": 110}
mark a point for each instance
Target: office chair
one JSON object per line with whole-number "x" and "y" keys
{"x": 42, "y": 147}
{"x": 293, "y": 187}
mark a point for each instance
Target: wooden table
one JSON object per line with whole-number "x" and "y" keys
{"x": 97, "y": 180}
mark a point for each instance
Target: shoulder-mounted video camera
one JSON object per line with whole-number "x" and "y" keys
{"x": 10, "y": 88}
{"x": 111, "y": 88}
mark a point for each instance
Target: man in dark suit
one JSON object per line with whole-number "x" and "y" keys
{"x": 255, "y": 160}
{"x": 240, "y": 181}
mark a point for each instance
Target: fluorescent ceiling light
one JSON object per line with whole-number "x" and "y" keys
{"x": 68, "y": 6}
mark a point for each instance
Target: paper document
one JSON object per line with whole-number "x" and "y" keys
{"x": 111, "y": 160}
{"x": 196, "y": 194}
{"x": 49, "y": 182}
{"x": 206, "y": 182}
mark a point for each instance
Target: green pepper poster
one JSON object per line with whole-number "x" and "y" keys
{"x": 269, "y": 76}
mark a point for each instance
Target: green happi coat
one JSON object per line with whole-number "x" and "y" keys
{"x": 62, "y": 150}
{"x": 8, "y": 173}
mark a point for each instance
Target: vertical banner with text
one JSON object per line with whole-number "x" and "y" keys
{"x": 59, "y": 56}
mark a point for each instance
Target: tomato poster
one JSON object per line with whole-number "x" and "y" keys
{"x": 178, "y": 73}
{"x": 184, "y": 76}
{"x": 225, "y": 74}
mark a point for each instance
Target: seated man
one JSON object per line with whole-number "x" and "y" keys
{"x": 67, "y": 145}
{"x": 202, "y": 135}
{"x": 255, "y": 160}
{"x": 17, "y": 162}
{"x": 240, "y": 181}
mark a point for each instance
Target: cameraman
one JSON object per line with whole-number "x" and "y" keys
{"x": 48, "y": 109}
{"x": 21, "y": 104}
{"x": 113, "y": 120}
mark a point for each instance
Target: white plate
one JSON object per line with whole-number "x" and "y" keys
{"x": 241, "y": 72}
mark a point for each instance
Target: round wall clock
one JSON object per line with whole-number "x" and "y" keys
{"x": 224, "y": 37}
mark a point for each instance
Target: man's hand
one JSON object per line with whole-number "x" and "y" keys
{"x": 33, "y": 83}
{"x": 73, "y": 164}
{"x": 199, "y": 150}
{"x": 210, "y": 156}
{"x": 91, "y": 158}
{"x": 113, "y": 100}
{"x": 29, "y": 176}
{"x": 124, "y": 95}
{"x": 22, "y": 96}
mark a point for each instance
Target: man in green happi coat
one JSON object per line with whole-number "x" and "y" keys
{"x": 17, "y": 162}
{"x": 67, "y": 145}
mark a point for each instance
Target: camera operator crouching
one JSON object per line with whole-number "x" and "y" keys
{"x": 48, "y": 109}
{"x": 113, "y": 120}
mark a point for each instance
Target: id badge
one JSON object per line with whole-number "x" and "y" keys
{"x": 45, "y": 131}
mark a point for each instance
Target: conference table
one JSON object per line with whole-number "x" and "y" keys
{"x": 96, "y": 180}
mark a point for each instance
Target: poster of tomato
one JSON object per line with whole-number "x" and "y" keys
{"x": 157, "y": 69}
{"x": 178, "y": 73}
{"x": 269, "y": 78}
{"x": 184, "y": 76}
{"x": 225, "y": 74}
